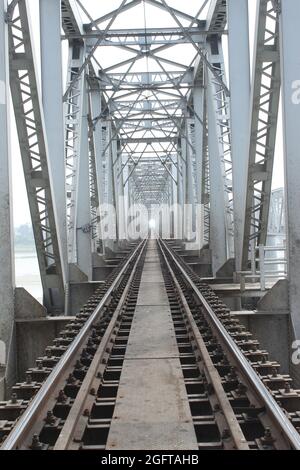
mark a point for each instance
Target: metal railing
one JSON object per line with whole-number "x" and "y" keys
{"x": 265, "y": 266}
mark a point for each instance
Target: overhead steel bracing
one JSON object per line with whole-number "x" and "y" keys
{"x": 150, "y": 106}
{"x": 149, "y": 120}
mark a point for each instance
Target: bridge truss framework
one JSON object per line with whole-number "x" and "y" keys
{"x": 175, "y": 133}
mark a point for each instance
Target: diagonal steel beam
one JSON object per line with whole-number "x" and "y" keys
{"x": 91, "y": 53}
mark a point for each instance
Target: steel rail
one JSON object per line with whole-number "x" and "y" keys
{"x": 232, "y": 421}
{"x": 270, "y": 403}
{"x": 19, "y": 431}
{"x": 71, "y": 422}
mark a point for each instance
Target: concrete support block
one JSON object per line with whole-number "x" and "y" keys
{"x": 80, "y": 292}
{"x": 76, "y": 275}
{"x": 227, "y": 269}
{"x": 101, "y": 273}
{"x": 272, "y": 331}
{"x": 27, "y": 306}
{"x": 98, "y": 260}
{"x": 33, "y": 335}
{"x": 276, "y": 298}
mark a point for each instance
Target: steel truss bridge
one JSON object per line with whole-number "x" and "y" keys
{"x": 149, "y": 116}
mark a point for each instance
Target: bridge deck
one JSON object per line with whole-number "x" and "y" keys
{"x": 152, "y": 410}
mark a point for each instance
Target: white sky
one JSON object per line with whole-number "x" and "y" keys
{"x": 155, "y": 18}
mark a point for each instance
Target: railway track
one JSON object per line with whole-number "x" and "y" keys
{"x": 224, "y": 392}
{"x": 250, "y": 403}
{"x": 44, "y": 400}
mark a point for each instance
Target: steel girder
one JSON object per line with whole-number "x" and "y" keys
{"x": 52, "y": 91}
{"x": 96, "y": 162}
{"x": 191, "y": 174}
{"x": 215, "y": 25}
{"x": 73, "y": 121}
{"x": 205, "y": 186}
{"x": 129, "y": 5}
{"x": 82, "y": 213}
{"x": 290, "y": 71}
{"x": 239, "y": 73}
{"x": 95, "y": 202}
{"x": 72, "y": 26}
{"x": 220, "y": 153}
{"x": 198, "y": 131}
{"x": 34, "y": 152}
{"x": 217, "y": 16}
{"x": 7, "y": 279}
{"x": 106, "y": 156}
{"x": 153, "y": 36}
{"x": 71, "y": 21}
{"x": 139, "y": 80}
{"x": 264, "y": 114}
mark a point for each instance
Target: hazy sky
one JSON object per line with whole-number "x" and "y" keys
{"x": 21, "y": 210}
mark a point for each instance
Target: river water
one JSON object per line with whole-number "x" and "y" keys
{"x": 27, "y": 273}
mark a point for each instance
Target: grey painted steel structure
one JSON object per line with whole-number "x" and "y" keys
{"x": 239, "y": 71}
{"x": 290, "y": 72}
{"x": 174, "y": 132}
{"x": 35, "y": 156}
{"x": 52, "y": 89}
{"x": 263, "y": 125}
{"x": 6, "y": 225}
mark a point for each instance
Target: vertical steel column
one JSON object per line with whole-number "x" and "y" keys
{"x": 105, "y": 133}
{"x": 219, "y": 129}
{"x": 52, "y": 93}
{"x": 190, "y": 213}
{"x": 73, "y": 121}
{"x": 115, "y": 186}
{"x": 29, "y": 115}
{"x": 217, "y": 212}
{"x": 83, "y": 202}
{"x": 173, "y": 199}
{"x": 290, "y": 70}
{"x": 109, "y": 167}
{"x": 239, "y": 71}
{"x": 184, "y": 157}
{"x": 121, "y": 198}
{"x": 198, "y": 97}
{"x": 118, "y": 188}
{"x": 265, "y": 94}
{"x": 6, "y": 225}
{"x": 126, "y": 195}
{"x": 205, "y": 188}
{"x": 111, "y": 190}
{"x": 95, "y": 105}
{"x": 180, "y": 200}
{"x": 95, "y": 234}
